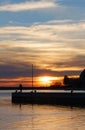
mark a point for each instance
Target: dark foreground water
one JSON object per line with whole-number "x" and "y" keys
{"x": 39, "y": 117}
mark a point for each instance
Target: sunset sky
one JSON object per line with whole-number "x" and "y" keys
{"x": 50, "y": 34}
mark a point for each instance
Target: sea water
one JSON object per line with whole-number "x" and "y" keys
{"x": 39, "y": 117}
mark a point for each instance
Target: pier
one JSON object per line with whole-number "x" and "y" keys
{"x": 61, "y": 98}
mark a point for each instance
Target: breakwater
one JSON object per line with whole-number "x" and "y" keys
{"x": 62, "y": 98}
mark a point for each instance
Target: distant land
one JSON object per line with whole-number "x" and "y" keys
{"x": 43, "y": 88}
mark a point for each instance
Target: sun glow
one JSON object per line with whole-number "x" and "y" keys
{"x": 45, "y": 80}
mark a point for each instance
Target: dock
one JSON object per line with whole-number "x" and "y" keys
{"x": 60, "y": 98}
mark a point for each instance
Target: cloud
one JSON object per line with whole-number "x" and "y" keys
{"x": 32, "y": 5}
{"x": 55, "y": 46}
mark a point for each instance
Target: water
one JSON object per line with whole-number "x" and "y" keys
{"x": 39, "y": 117}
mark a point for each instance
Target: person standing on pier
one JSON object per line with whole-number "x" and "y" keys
{"x": 20, "y": 87}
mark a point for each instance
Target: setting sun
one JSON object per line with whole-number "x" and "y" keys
{"x": 45, "y": 80}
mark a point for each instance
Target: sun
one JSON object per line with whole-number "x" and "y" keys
{"x": 46, "y": 80}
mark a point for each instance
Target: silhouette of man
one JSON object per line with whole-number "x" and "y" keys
{"x": 20, "y": 87}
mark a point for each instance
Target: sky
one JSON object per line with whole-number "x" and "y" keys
{"x": 50, "y": 34}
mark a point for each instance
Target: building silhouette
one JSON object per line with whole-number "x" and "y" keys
{"x": 75, "y": 82}
{"x": 82, "y": 78}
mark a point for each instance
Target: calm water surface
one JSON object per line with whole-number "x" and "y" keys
{"x": 39, "y": 117}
